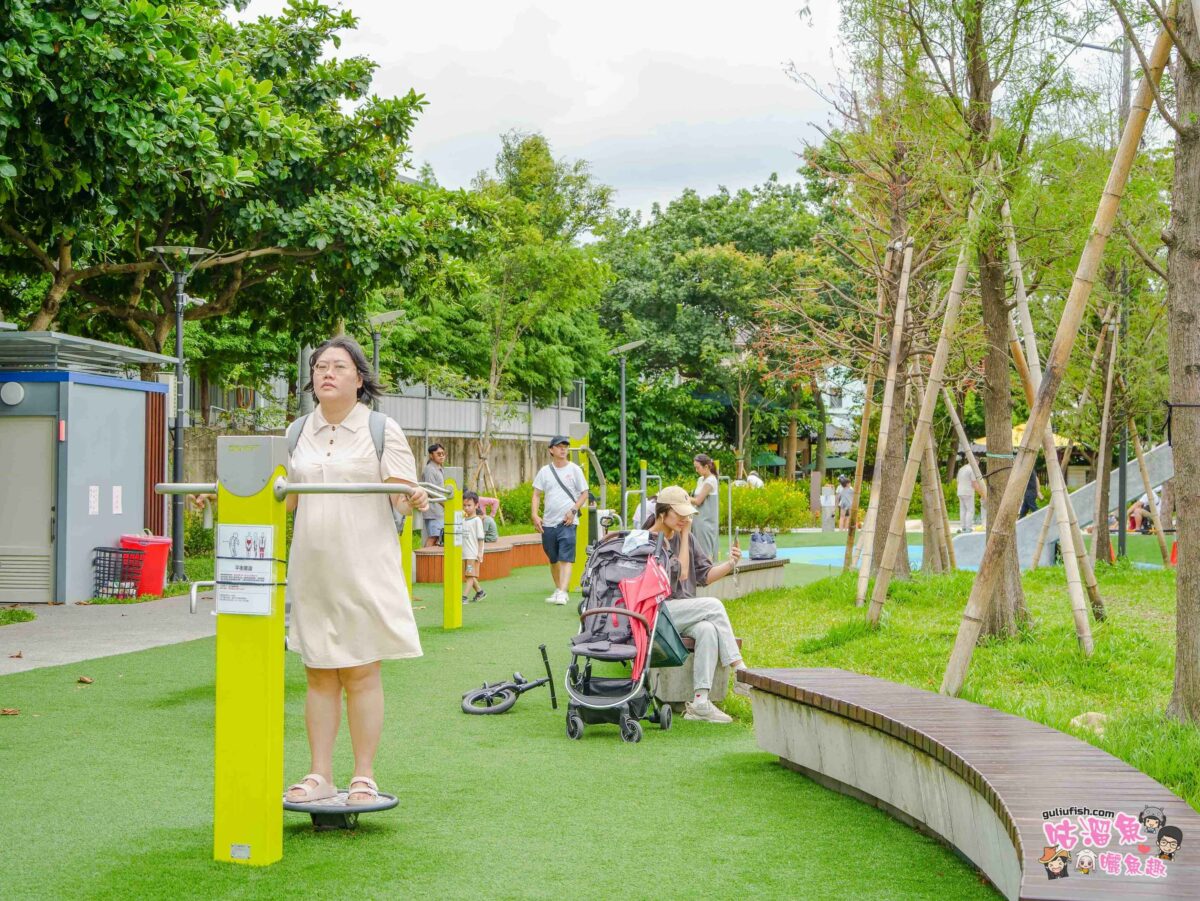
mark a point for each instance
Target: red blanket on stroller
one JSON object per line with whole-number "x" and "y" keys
{"x": 643, "y": 594}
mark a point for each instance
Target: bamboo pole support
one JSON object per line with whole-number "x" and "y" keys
{"x": 1141, "y": 458}
{"x": 896, "y": 537}
{"x": 1071, "y": 543}
{"x": 972, "y": 460}
{"x": 1031, "y": 377}
{"x": 948, "y": 561}
{"x": 1002, "y": 533}
{"x": 945, "y": 532}
{"x": 885, "y": 418}
{"x": 868, "y": 404}
{"x": 1139, "y": 452}
{"x": 1089, "y": 572}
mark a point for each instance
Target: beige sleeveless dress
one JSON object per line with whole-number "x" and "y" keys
{"x": 350, "y": 604}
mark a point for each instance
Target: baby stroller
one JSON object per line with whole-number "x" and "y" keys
{"x": 623, "y": 620}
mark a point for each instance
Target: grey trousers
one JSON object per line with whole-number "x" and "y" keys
{"x": 705, "y": 621}
{"x": 966, "y": 511}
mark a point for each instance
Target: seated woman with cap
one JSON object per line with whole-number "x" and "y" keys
{"x": 702, "y": 619}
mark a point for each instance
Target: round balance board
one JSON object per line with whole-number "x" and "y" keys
{"x": 335, "y": 813}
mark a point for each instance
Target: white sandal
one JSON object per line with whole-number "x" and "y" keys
{"x": 319, "y": 792}
{"x": 362, "y": 785}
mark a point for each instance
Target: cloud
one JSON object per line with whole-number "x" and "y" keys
{"x": 657, "y": 96}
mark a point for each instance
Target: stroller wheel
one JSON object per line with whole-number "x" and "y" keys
{"x": 664, "y": 717}
{"x": 574, "y": 727}
{"x": 631, "y": 731}
{"x": 486, "y": 700}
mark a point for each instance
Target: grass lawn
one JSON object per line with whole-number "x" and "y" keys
{"x": 9, "y": 615}
{"x": 1040, "y": 675}
{"x": 492, "y": 807}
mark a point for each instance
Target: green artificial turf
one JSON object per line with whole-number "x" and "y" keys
{"x": 112, "y": 795}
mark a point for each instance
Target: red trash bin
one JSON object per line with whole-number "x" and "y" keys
{"x": 154, "y": 567}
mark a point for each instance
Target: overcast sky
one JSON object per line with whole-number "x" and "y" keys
{"x": 657, "y": 95}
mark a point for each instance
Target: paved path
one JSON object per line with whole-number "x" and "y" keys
{"x": 70, "y": 633}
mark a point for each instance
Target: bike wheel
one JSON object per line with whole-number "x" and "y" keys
{"x": 489, "y": 700}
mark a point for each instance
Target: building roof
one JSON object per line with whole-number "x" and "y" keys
{"x": 55, "y": 351}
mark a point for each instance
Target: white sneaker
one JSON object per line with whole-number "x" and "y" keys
{"x": 559, "y": 597}
{"x": 706, "y": 711}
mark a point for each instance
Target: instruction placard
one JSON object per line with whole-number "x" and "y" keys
{"x": 245, "y": 571}
{"x": 458, "y": 527}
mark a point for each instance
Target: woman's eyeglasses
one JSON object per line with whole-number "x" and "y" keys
{"x": 339, "y": 368}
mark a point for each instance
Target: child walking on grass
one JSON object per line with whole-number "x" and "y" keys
{"x": 472, "y": 548}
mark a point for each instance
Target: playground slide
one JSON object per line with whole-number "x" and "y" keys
{"x": 968, "y": 548}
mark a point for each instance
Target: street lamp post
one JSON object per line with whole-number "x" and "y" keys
{"x": 621, "y": 352}
{"x": 180, "y": 262}
{"x": 377, "y": 322}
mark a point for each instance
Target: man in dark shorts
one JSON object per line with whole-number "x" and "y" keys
{"x": 564, "y": 487}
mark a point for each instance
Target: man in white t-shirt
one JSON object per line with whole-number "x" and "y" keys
{"x": 564, "y": 487}
{"x": 968, "y": 486}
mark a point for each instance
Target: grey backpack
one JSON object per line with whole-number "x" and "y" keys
{"x": 376, "y": 422}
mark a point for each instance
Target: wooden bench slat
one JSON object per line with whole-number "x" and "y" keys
{"x": 1019, "y": 769}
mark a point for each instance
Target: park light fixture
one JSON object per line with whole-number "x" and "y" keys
{"x": 180, "y": 262}
{"x": 377, "y": 322}
{"x": 621, "y": 352}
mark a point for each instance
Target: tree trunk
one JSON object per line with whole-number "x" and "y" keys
{"x": 1008, "y": 608}
{"x": 793, "y": 444}
{"x": 892, "y": 472}
{"x": 1183, "y": 343}
{"x": 932, "y": 529}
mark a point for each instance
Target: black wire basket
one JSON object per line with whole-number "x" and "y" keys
{"x": 118, "y": 570}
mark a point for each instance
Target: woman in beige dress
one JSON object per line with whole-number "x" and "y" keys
{"x": 349, "y": 601}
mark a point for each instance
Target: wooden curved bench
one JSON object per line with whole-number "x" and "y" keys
{"x": 984, "y": 782}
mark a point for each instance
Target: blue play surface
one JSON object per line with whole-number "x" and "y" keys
{"x": 833, "y": 555}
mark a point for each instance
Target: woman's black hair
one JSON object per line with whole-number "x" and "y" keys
{"x": 706, "y": 461}
{"x": 661, "y": 510}
{"x": 371, "y": 387}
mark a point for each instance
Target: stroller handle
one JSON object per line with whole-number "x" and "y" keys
{"x": 620, "y": 611}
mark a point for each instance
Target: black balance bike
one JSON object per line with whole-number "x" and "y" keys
{"x": 499, "y": 697}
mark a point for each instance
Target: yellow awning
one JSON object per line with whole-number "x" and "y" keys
{"x": 1018, "y": 432}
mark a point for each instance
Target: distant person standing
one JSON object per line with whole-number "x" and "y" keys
{"x": 1032, "y": 488}
{"x": 968, "y": 487}
{"x": 845, "y": 501}
{"x": 564, "y": 487}
{"x": 433, "y": 520}
{"x": 706, "y": 525}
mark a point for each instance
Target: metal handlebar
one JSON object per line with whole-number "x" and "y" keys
{"x": 196, "y": 588}
{"x": 185, "y": 488}
{"x": 282, "y": 488}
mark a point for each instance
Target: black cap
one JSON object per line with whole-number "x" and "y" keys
{"x": 559, "y": 439}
